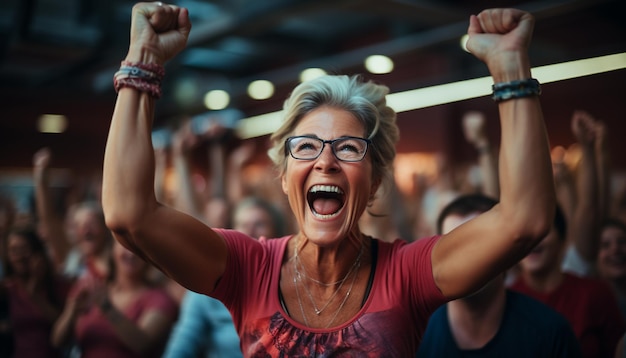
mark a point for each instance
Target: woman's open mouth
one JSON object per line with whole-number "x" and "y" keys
{"x": 325, "y": 201}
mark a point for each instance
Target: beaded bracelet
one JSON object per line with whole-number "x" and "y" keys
{"x": 154, "y": 89}
{"x": 149, "y": 67}
{"x": 144, "y": 77}
{"x": 515, "y": 89}
{"x": 130, "y": 71}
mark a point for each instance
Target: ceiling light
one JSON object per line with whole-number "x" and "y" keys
{"x": 52, "y": 123}
{"x": 379, "y": 64}
{"x": 216, "y": 99}
{"x": 261, "y": 89}
{"x": 311, "y": 73}
{"x": 452, "y": 92}
{"x": 462, "y": 90}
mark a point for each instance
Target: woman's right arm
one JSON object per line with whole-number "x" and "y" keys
{"x": 181, "y": 246}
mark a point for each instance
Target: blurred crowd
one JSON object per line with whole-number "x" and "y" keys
{"x": 68, "y": 289}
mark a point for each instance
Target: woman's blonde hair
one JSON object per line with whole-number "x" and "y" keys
{"x": 364, "y": 99}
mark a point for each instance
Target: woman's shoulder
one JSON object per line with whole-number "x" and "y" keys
{"x": 401, "y": 245}
{"x": 242, "y": 242}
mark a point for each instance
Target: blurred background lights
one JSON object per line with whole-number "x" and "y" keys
{"x": 216, "y": 99}
{"x": 311, "y": 73}
{"x": 379, "y": 64}
{"x": 261, "y": 89}
{"x": 52, "y": 123}
{"x": 186, "y": 92}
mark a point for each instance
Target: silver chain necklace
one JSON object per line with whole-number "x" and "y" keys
{"x": 343, "y": 302}
{"x": 298, "y": 276}
{"x": 306, "y": 275}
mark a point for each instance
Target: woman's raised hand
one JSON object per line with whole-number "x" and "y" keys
{"x": 158, "y": 32}
{"x": 500, "y": 38}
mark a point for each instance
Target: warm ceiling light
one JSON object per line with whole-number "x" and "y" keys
{"x": 477, "y": 87}
{"x": 52, "y": 123}
{"x": 311, "y": 73}
{"x": 379, "y": 64}
{"x": 216, "y": 99}
{"x": 261, "y": 89}
{"x": 452, "y": 92}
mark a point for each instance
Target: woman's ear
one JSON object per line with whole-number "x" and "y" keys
{"x": 283, "y": 182}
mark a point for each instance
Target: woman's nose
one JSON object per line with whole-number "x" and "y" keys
{"x": 327, "y": 161}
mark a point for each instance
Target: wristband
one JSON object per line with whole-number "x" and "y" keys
{"x": 515, "y": 89}
{"x": 154, "y": 89}
{"x": 144, "y": 77}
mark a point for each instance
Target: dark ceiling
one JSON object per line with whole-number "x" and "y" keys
{"x": 60, "y": 55}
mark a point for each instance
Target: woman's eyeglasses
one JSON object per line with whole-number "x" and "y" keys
{"x": 346, "y": 149}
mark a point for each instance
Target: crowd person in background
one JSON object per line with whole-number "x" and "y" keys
{"x": 50, "y": 222}
{"x": 259, "y": 218}
{"x": 211, "y": 205}
{"x": 611, "y": 262}
{"x": 357, "y": 285}
{"x": 475, "y": 132}
{"x": 452, "y": 180}
{"x": 438, "y": 192}
{"x": 36, "y": 294}
{"x": 386, "y": 217}
{"x": 124, "y": 316}
{"x": 584, "y": 195}
{"x": 80, "y": 242}
{"x": 92, "y": 241}
{"x": 494, "y": 321}
{"x": 593, "y": 314}
{"x": 225, "y": 187}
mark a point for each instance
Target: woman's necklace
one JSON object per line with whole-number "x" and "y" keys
{"x": 356, "y": 273}
{"x": 298, "y": 276}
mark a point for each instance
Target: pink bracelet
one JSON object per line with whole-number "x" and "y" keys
{"x": 144, "y": 77}
{"x": 154, "y": 89}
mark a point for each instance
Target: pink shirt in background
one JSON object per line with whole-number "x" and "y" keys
{"x": 31, "y": 329}
{"x": 96, "y": 336}
{"x": 590, "y": 307}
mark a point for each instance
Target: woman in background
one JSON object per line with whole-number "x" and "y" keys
{"x": 125, "y": 317}
{"x": 36, "y": 295}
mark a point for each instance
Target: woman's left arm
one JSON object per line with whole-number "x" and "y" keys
{"x": 468, "y": 257}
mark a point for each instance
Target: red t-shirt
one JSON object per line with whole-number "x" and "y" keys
{"x": 95, "y": 334}
{"x": 590, "y": 307}
{"x": 390, "y": 323}
{"x": 31, "y": 329}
